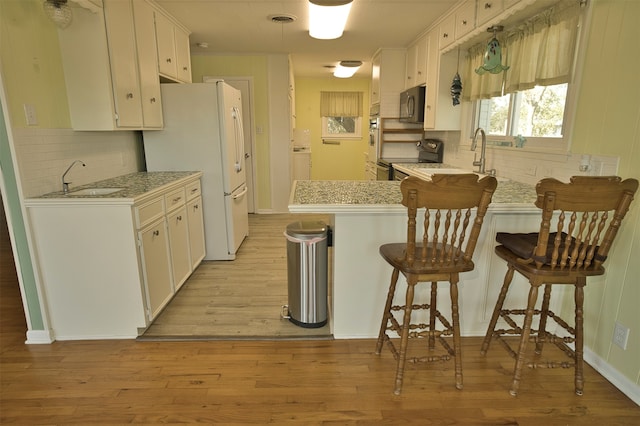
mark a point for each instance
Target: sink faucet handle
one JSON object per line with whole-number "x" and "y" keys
{"x": 475, "y": 161}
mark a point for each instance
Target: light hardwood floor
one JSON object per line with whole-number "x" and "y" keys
{"x": 241, "y": 298}
{"x": 311, "y": 382}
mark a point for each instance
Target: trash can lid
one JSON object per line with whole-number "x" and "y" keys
{"x": 307, "y": 228}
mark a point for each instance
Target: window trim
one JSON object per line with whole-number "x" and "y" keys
{"x": 351, "y": 136}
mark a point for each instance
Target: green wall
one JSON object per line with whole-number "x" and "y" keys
{"x": 608, "y": 123}
{"x": 332, "y": 162}
{"x": 254, "y": 66}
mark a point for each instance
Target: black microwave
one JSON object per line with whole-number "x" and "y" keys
{"x": 412, "y": 105}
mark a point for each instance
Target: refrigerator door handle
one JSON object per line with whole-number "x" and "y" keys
{"x": 241, "y": 194}
{"x": 239, "y": 138}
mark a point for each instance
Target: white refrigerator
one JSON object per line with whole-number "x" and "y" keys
{"x": 203, "y": 132}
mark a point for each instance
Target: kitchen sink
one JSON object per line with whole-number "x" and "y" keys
{"x": 95, "y": 191}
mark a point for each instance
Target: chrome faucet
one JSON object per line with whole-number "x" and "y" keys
{"x": 474, "y": 144}
{"x": 65, "y": 185}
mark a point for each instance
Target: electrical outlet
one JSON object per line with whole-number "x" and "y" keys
{"x": 620, "y": 335}
{"x": 30, "y": 115}
{"x": 530, "y": 170}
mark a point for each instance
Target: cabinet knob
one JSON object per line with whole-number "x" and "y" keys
{"x": 168, "y": 60}
{"x": 153, "y": 100}
{"x": 179, "y": 218}
{"x": 185, "y": 68}
{"x": 196, "y": 207}
{"x": 129, "y": 95}
{"x": 445, "y": 35}
{"x": 156, "y": 232}
{"x": 487, "y": 5}
{"x": 464, "y": 22}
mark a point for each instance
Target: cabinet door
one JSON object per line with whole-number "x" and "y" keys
{"x": 433, "y": 64}
{"x": 179, "y": 243}
{"x": 183, "y": 55}
{"x": 154, "y": 252}
{"x": 488, "y": 9}
{"x": 375, "y": 80}
{"x": 123, "y": 59}
{"x": 148, "y": 64}
{"x": 196, "y": 231}
{"x": 465, "y": 19}
{"x": 410, "y": 67}
{"x": 166, "y": 46}
{"x": 421, "y": 61}
{"x": 447, "y": 32}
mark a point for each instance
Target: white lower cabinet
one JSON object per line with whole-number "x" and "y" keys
{"x": 195, "y": 220}
{"x": 177, "y": 223}
{"x": 107, "y": 266}
{"x": 154, "y": 255}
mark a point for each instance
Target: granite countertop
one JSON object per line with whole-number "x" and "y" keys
{"x": 134, "y": 185}
{"x": 309, "y": 196}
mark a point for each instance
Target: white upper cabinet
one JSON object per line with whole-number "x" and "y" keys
{"x": 465, "y": 19}
{"x": 488, "y": 9}
{"x": 110, "y": 65}
{"x": 439, "y": 112}
{"x": 446, "y": 32}
{"x": 416, "y": 63}
{"x": 148, "y": 64}
{"x": 174, "y": 57}
{"x": 101, "y": 68}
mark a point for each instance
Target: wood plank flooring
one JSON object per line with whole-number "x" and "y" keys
{"x": 241, "y": 298}
{"x": 310, "y": 382}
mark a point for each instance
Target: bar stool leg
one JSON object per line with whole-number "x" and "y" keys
{"x": 387, "y": 310}
{"x": 455, "y": 316}
{"x": 524, "y": 338}
{"x": 579, "y": 324}
{"x": 496, "y": 310}
{"x": 544, "y": 314}
{"x": 432, "y": 315}
{"x": 404, "y": 338}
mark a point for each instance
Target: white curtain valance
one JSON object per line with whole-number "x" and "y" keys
{"x": 539, "y": 52}
{"x": 341, "y": 104}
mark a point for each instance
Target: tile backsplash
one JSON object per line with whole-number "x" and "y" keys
{"x": 527, "y": 166}
{"x": 43, "y": 156}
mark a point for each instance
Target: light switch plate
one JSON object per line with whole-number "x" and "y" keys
{"x": 30, "y": 115}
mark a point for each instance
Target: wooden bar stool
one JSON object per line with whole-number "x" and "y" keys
{"x": 455, "y": 206}
{"x": 580, "y": 220}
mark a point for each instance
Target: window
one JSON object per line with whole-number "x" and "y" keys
{"x": 538, "y": 112}
{"x": 341, "y": 127}
{"x": 341, "y": 114}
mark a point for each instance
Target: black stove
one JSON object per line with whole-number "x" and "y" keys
{"x": 429, "y": 151}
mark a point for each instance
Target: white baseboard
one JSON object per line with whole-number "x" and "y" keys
{"x": 39, "y": 337}
{"x": 626, "y": 386}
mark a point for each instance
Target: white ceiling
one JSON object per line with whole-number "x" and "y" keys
{"x": 244, "y": 27}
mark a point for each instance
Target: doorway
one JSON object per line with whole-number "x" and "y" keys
{"x": 245, "y": 86}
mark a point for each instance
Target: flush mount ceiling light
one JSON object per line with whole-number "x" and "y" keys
{"x": 327, "y": 18}
{"x": 347, "y": 69}
{"x": 58, "y": 11}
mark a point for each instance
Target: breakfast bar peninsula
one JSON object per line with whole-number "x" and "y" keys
{"x": 367, "y": 214}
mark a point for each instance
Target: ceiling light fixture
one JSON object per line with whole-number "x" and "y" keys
{"x": 347, "y": 69}
{"x": 327, "y": 18}
{"x": 59, "y": 12}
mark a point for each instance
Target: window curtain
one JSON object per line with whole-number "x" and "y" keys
{"x": 341, "y": 104}
{"x": 539, "y": 52}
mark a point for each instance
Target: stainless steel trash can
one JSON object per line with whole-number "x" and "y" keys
{"x": 307, "y": 273}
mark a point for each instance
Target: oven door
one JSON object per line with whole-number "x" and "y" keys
{"x": 383, "y": 172}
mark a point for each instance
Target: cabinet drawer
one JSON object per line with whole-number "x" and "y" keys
{"x": 193, "y": 190}
{"x": 149, "y": 212}
{"x": 174, "y": 199}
